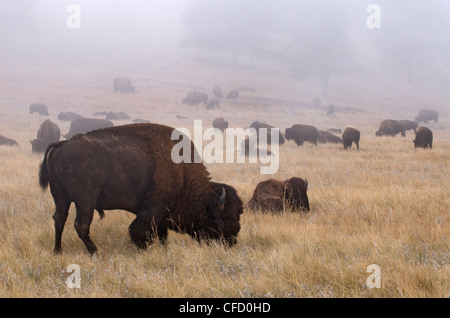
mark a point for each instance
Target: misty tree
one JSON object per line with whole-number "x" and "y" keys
{"x": 235, "y": 26}
{"x": 414, "y": 36}
{"x": 318, "y": 45}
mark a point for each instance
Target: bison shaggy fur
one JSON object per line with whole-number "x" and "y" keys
{"x": 130, "y": 168}
{"x": 351, "y": 135}
{"x": 424, "y": 138}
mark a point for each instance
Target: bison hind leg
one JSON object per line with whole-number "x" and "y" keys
{"x": 85, "y": 214}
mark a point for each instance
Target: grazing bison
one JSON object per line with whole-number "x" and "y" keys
{"x": 217, "y": 91}
{"x": 213, "y": 103}
{"x": 84, "y": 125}
{"x": 349, "y": 136}
{"x": 302, "y": 133}
{"x": 330, "y": 110}
{"x": 274, "y": 195}
{"x": 233, "y": 94}
{"x": 427, "y": 114}
{"x": 257, "y": 125}
{"x": 68, "y": 116}
{"x": 123, "y": 85}
{"x": 117, "y": 116}
{"x": 220, "y": 123}
{"x": 41, "y": 109}
{"x": 424, "y": 138}
{"x": 47, "y": 134}
{"x": 327, "y": 137}
{"x": 130, "y": 168}
{"x": 195, "y": 98}
{"x": 408, "y": 125}
{"x": 5, "y": 141}
{"x": 389, "y": 127}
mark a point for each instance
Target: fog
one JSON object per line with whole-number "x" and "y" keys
{"x": 408, "y": 40}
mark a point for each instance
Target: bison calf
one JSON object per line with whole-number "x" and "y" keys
{"x": 275, "y": 195}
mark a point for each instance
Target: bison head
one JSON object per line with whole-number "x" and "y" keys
{"x": 295, "y": 193}
{"x": 37, "y": 145}
{"x": 223, "y": 209}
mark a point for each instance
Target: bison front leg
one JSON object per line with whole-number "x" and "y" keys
{"x": 82, "y": 225}
{"x": 144, "y": 229}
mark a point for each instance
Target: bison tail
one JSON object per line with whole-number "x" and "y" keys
{"x": 43, "y": 173}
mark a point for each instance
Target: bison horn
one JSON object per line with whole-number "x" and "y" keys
{"x": 306, "y": 183}
{"x": 222, "y": 199}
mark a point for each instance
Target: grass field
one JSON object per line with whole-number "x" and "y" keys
{"x": 387, "y": 204}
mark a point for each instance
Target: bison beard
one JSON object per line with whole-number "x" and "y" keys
{"x": 130, "y": 168}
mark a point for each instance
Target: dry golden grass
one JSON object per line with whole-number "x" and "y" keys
{"x": 387, "y": 204}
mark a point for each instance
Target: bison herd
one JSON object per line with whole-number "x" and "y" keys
{"x": 103, "y": 167}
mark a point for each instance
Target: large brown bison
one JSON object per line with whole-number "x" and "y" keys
{"x": 276, "y": 195}
{"x": 68, "y": 116}
{"x": 130, "y": 168}
{"x": 426, "y": 115}
{"x": 47, "y": 134}
{"x": 220, "y": 123}
{"x": 123, "y": 85}
{"x": 349, "y": 136}
{"x": 5, "y": 141}
{"x": 41, "y": 109}
{"x": 257, "y": 125}
{"x": 326, "y": 137}
{"x": 389, "y": 127}
{"x": 195, "y": 98}
{"x": 302, "y": 133}
{"x": 84, "y": 125}
{"x": 424, "y": 138}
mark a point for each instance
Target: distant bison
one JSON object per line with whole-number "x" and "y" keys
{"x": 68, "y": 116}
{"x": 130, "y": 168}
{"x": 233, "y": 94}
{"x": 48, "y": 133}
{"x": 195, "y": 98}
{"x": 220, "y": 123}
{"x": 275, "y": 195}
{"x": 141, "y": 121}
{"x": 424, "y": 138}
{"x": 213, "y": 103}
{"x": 389, "y": 127}
{"x": 408, "y": 125}
{"x": 123, "y": 85}
{"x": 327, "y": 137}
{"x": 5, "y": 141}
{"x": 316, "y": 101}
{"x": 41, "y": 109}
{"x": 117, "y": 116}
{"x": 257, "y": 125}
{"x": 426, "y": 115}
{"x": 217, "y": 91}
{"x": 349, "y": 136}
{"x": 302, "y": 133}
{"x": 335, "y": 130}
{"x": 84, "y": 125}
{"x": 330, "y": 110}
